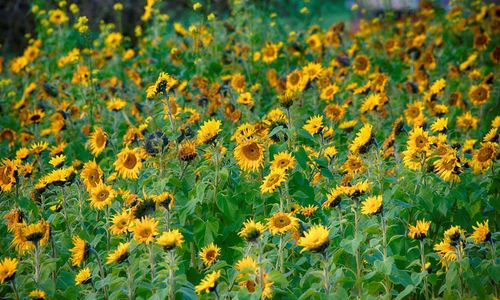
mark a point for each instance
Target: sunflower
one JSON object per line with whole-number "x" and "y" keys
{"x": 238, "y": 82}
{"x": 334, "y": 197}
{"x": 482, "y": 158}
{"x": 334, "y": 112}
{"x": 209, "y": 254}
{"x": 57, "y": 160}
{"x": 208, "y": 283}
{"x": 479, "y": 94}
{"x": 164, "y": 84}
{"x": 145, "y": 230}
{"x": 97, "y": 141}
{"x": 418, "y": 140}
{"x": 249, "y": 155}
{"x": 8, "y": 269}
{"x": 491, "y": 135}
{"x": 419, "y": 231}
{"x": 121, "y": 222}
{"x": 481, "y": 233}
{"x": 281, "y": 223}
{"x": 312, "y": 70}
{"x": 314, "y": 125}
{"x": 101, "y": 196}
{"x": 13, "y": 218}
{"x": 91, "y": 174}
{"x": 245, "y": 99}
{"x": 315, "y": 239}
{"x": 128, "y": 163}
{"x": 83, "y": 276}
{"x": 362, "y": 140}
{"x": 116, "y": 104}
{"x": 307, "y": 211}
{"x": 371, "y": 103}
{"x": 329, "y": 92}
{"x": 283, "y": 160}
{"x": 440, "y": 125}
{"x": 353, "y": 165}
{"x": 361, "y": 64}
{"x": 209, "y": 131}
{"x": 170, "y": 239}
{"x": 251, "y": 230}
{"x": 446, "y": 251}
{"x": 273, "y": 180}
{"x": 448, "y": 167}
{"x": 467, "y": 121}
{"x": 80, "y": 251}
{"x": 348, "y": 125}
{"x": 270, "y": 53}
{"x": 296, "y": 81}
{"x": 37, "y": 233}
{"x": 119, "y": 255}
{"x": 58, "y": 16}
{"x": 414, "y": 114}
{"x": 372, "y": 206}
{"x": 37, "y": 295}
{"x": 356, "y": 190}
{"x": 36, "y": 116}
{"x": 246, "y": 267}
{"x": 7, "y": 174}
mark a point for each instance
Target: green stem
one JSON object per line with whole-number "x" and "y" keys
{"x": 171, "y": 275}
{"x": 326, "y": 273}
{"x": 358, "y": 250}
{"x": 422, "y": 262}
{"x": 13, "y": 283}
{"x": 37, "y": 262}
{"x": 152, "y": 265}
{"x": 101, "y": 270}
{"x": 130, "y": 281}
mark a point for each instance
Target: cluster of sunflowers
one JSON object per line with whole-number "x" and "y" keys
{"x": 238, "y": 156}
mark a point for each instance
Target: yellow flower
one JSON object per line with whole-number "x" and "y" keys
{"x": 145, "y": 230}
{"x": 251, "y": 230}
{"x": 208, "y": 283}
{"x": 419, "y": 231}
{"x": 38, "y": 294}
{"x": 209, "y": 254}
{"x": 353, "y": 165}
{"x": 187, "y": 151}
{"x": 372, "y": 205}
{"x": 307, "y": 211}
{"x": 171, "y": 239}
{"x": 57, "y": 160}
{"x": 121, "y": 222}
{"x": 113, "y": 40}
{"x": 361, "y": 64}
{"x": 79, "y": 252}
{"x": 249, "y": 155}
{"x": 119, "y": 255}
{"x": 58, "y": 16}
{"x": 91, "y": 174}
{"x": 314, "y": 125}
{"x": 479, "y": 94}
{"x": 270, "y": 53}
{"x": 209, "y": 131}
{"x": 362, "y": 140}
{"x": 448, "y": 167}
{"x": 37, "y": 233}
{"x": 101, "y": 196}
{"x": 481, "y": 232}
{"x": 245, "y": 99}
{"x": 482, "y": 158}
{"x": 273, "y": 180}
{"x": 97, "y": 141}
{"x": 128, "y": 163}
{"x": 283, "y": 160}
{"x": 7, "y": 177}
{"x": 440, "y": 125}
{"x": 83, "y": 276}
{"x": 281, "y": 223}
{"x": 116, "y": 104}
{"x": 8, "y": 269}
{"x": 315, "y": 239}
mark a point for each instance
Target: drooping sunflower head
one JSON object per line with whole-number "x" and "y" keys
{"x": 273, "y": 180}
{"x": 80, "y": 251}
{"x": 252, "y": 230}
{"x": 37, "y": 233}
{"x": 145, "y": 230}
{"x": 249, "y": 155}
{"x": 372, "y": 205}
{"x": 281, "y": 223}
{"x": 481, "y": 232}
{"x": 455, "y": 235}
{"x": 363, "y": 139}
{"x": 209, "y": 131}
{"x": 13, "y": 218}
{"x": 209, "y": 254}
{"x": 208, "y": 283}
{"x": 8, "y": 269}
{"x": 91, "y": 174}
{"x": 419, "y": 231}
{"x": 187, "y": 151}
{"x": 315, "y": 239}
{"x": 97, "y": 141}
{"x": 119, "y": 255}
{"x": 164, "y": 84}
{"x": 171, "y": 239}
{"x": 83, "y": 276}
{"x": 102, "y": 195}
{"x": 128, "y": 163}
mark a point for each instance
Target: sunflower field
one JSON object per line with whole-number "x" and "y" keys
{"x": 245, "y": 155}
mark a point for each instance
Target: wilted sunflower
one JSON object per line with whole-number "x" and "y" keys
{"x": 251, "y": 230}
{"x": 362, "y": 140}
{"x": 187, "y": 151}
{"x": 209, "y": 131}
{"x": 209, "y": 254}
{"x": 419, "y": 231}
{"x": 119, "y": 255}
{"x": 83, "y": 276}
{"x": 145, "y": 230}
{"x": 170, "y": 239}
{"x": 128, "y": 163}
{"x": 80, "y": 251}
{"x": 482, "y": 158}
{"x": 101, "y": 196}
{"x": 13, "y": 218}
{"x": 372, "y": 205}
{"x": 315, "y": 239}
{"x": 8, "y": 269}
{"x": 91, "y": 174}
{"x": 97, "y": 141}
{"x": 37, "y": 295}
{"x": 208, "y": 283}
{"x": 121, "y": 222}
{"x": 314, "y": 125}
{"x": 481, "y": 232}
{"x": 7, "y": 174}
{"x": 249, "y": 155}
{"x": 273, "y": 180}
{"x": 281, "y": 223}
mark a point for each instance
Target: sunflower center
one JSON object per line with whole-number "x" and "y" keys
{"x": 103, "y": 195}
{"x": 252, "y": 151}
{"x": 361, "y": 63}
{"x": 100, "y": 140}
{"x": 145, "y": 232}
{"x": 269, "y": 51}
{"x": 130, "y": 161}
{"x": 210, "y": 255}
{"x": 421, "y": 141}
{"x": 480, "y": 94}
{"x": 282, "y": 222}
{"x": 294, "y": 78}
{"x": 414, "y": 112}
{"x": 484, "y": 154}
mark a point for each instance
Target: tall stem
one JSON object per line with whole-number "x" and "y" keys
{"x": 326, "y": 273}
{"x": 493, "y": 252}
{"x": 13, "y": 283}
{"x": 387, "y": 284}
{"x": 358, "y": 250}
{"x": 37, "y": 262}
{"x": 422, "y": 262}
{"x": 152, "y": 265}
{"x": 130, "y": 281}
{"x": 101, "y": 270}
{"x": 281, "y": 258}
{"x": 171, "y": 275}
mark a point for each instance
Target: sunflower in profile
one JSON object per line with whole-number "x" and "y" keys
{"x": 145, "y": 230}
{"x": 164, "y": 84}
{"x": 101, "y": 196}
{"x": 83, "y": 276}
{"x": 440, "y": 125}
{"x": 353, "y": 165}
{"x": 419, "y": 231}
{"x": 91, "y": 174}
{"x": 171, "y": 239}
{"x": 120, "y": 254}
{"x": 128, "y": 163}
{"x": 249, "y": 155}
{"x": 209, "y": 254}
{"x": 80, "y": 251}
{"x": 281, "y": 223}
{"x": 314, "y": 125}
{"x": 372, "y": 206}
{"x": 8, "y": 269}
{"x": 57, "y": 160}
{"x": 121, "y": 222}
{"x": 362, "y": 140}
{"x": 208, "y": 283}
{"x": 283, "y": 160}
{"x": 97, "y": 141}
{"x": 467, "y": 121}
{"x": 37, "y": 233}
{"x": 273, "y": 180}
{"x": 7, "y": 171}
{"x": 482, "y": 158}
{"x": 252, "y": 230}
{"x": 37, "y": 294}
{"x": 361, "y": 64}
{"x": 448, "y": 167}
{"x": 481, "y": 232}
{"x": 334, "y": 197}
{"x": 209, "y": 131}
{"x": 371, "y": 103}
{"x": 13, "y": 218}
{"x": 315, "y": 239}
